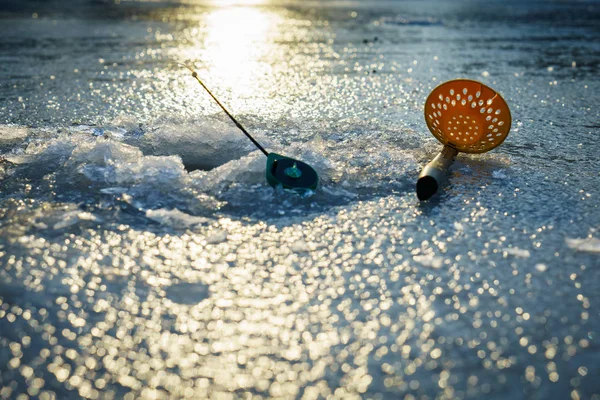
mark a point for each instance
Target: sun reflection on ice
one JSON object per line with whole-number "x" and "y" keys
{"x": 236, "y": 41}
{"x": 238, "y": 2}
{"x": 232, "y": 47}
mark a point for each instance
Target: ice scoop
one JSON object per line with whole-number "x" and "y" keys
{"x": 281, "y": 170}
{"x": 464, "y": 115}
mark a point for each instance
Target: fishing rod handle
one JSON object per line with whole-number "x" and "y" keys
{"x": 434, "y": 173}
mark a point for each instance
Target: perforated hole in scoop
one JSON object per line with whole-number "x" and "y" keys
{"x": 467, "y": 115}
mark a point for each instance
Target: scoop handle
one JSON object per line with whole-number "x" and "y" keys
{"x": 435, "y": 172}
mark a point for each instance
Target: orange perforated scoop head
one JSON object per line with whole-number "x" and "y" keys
{"x": 467, "y": 115}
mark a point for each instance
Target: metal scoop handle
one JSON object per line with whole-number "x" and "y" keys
{"x": 434, "y": 173}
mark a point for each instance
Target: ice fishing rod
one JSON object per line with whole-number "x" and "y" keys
{"x": 281, "y": 170}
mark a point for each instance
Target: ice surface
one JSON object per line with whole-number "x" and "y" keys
{"x": 143, "y": 255}
{"x": 72, "y": 218}
{"x": 589, "y": 244}
{"x": 11, "y": 135}
{"x": 175, "y": 218}
{"x": 202, "y": 144}
{"x": 517, "y": 252}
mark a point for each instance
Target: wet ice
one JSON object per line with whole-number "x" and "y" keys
{"x": 144, "y": 256}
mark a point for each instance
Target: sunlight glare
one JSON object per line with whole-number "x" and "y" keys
{"x": 237, "y": 2}
{"x": 237, "y": 39}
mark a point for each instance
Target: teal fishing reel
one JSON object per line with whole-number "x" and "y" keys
{"x": 281, "y": 171}
{"x": 290, "y": 173}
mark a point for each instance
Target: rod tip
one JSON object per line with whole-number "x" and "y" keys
{"x": 194, "y": 74}
{"x": 427, "y": 186}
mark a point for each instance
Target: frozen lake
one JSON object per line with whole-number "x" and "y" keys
{"x": 143, "y": 255}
